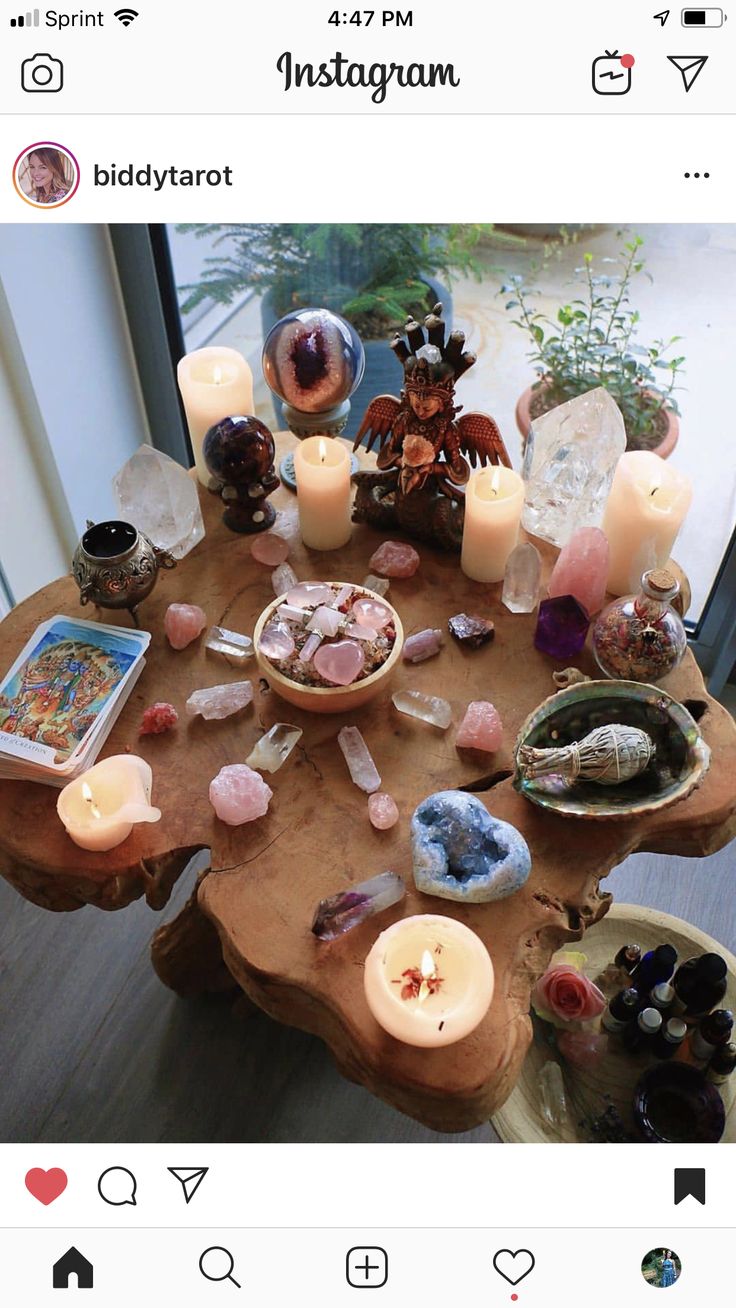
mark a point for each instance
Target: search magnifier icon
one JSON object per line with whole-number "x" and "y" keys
{"x": 218, "y": 1264}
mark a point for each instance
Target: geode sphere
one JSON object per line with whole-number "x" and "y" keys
{"x": 313, "y": 360}
{"x": 461, "y": 852}
{"x": 240, "y": 452}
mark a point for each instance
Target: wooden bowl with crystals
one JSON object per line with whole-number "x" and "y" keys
{"x": 324, "y": 698}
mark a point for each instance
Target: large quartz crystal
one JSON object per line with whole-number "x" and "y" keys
{"x": 347, "y": 909}
{"x": 361, "y": 767}
{"x": 217, "y": 702}
{"x": 522, "y": 578}
{"x": 272, "y": 750}
{"x": 569, "y": 461}
{"x": 160, "y": 498}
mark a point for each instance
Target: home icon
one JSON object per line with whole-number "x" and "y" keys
{"x": 71, "y": 1264}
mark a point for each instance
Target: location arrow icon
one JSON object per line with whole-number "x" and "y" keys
{"x": 190, "y": 1179}
{"x": 663, "y": 16}
{"x": 690, "y": 66}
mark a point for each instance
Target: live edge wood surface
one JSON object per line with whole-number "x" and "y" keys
{"x": 248, "y": 920}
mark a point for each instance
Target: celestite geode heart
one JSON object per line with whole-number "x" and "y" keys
{"x": 461, "y": 852}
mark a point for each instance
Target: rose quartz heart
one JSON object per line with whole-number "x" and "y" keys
{"x": 340, "y": 663}
{"x": 270, "y": 549}
{"x": 369, "y": 613}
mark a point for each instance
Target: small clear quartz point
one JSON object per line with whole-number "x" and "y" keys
{"x": 236, "y": 646}
{"x": 428, "y": 708}
{"x": 272, "y": 750}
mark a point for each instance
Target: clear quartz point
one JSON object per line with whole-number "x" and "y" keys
{"x": 363, "y": 770}
{"x": 283, "y": 579}
{"x": 428, "y": 708}
{"x": 380, "y": 585}
{"x": 236, "y": 646}
{"x": 159, "y": 497}
{"x": 553, "y": 1103}
{"x": 272, "y": 750}
{"x": 348, "y": 908}
{"x": 522, "y": 578}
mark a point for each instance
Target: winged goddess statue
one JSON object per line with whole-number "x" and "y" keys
{"x": 425, "y": 451}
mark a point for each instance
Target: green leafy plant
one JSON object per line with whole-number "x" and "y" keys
{"x": 592, "y": 342}
{"x": 373, "y": 273}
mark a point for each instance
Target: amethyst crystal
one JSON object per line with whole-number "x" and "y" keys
{"x": 348, "y": 908}
{"x": 562, "y": 626}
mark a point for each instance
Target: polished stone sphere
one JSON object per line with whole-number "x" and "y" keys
{"x": 313, "y": 360}
{"x": 239, "y": 451}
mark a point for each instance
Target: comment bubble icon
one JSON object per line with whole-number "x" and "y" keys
{"x": 117, "y": 1186}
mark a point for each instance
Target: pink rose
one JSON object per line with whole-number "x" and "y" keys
{"x": 564, "y": 994}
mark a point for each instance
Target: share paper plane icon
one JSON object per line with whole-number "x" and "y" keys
{"x": 663, "y": 16}
{"x": 190, "y": 1177}
{"x": 691, "y": 66}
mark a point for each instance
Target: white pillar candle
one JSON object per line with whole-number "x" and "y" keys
{"x": 494, "y": 498}
{"x": 215, "y": 383}
{"x": 322, "y": 469}
{"x": 101, "y": 806}
{"x": 644, "y": 512}
{"x": 428, "y": 980}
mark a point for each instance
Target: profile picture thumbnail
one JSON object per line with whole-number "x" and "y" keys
{"x": 661, "y": 1268}
{"x": 46, "y": 175}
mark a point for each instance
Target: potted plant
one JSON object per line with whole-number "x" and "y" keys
{"x": 374, "y": 274}
{"x": 590, "y": 343}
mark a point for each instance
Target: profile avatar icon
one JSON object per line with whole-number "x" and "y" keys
{"x": 46, "y": 175}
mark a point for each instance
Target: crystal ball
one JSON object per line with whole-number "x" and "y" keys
{"x": 313, "y": 360}
{"x": 239, "y": 451}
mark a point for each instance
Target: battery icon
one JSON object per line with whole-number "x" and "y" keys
{"x": 703, "y": 18}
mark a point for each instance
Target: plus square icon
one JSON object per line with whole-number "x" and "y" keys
{"x": 367, "y": 1267}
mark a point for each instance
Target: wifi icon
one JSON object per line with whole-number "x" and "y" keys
{"x": 126, "y": 16}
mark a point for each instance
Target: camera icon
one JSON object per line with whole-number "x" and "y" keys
{"x": 42, "y": 73}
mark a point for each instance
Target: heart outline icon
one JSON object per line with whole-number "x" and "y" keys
{"x": 46, "y": 1186}
{"x": 513, "y": 1255}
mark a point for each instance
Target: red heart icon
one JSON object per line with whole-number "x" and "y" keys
{"x": 46, "y": 1186}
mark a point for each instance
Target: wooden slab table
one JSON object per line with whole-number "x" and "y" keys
{"x": 248, "y": 920}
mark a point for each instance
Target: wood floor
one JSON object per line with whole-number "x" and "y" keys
{"x": 94, "y": 1048}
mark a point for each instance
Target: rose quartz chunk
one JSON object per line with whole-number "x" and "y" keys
{"x": 270, "y": 549}
{"x": 158, "y": 718}
{"x": 582, "y": 569}
{"x": 369, "y": 613}
{"x": 480, "y": 728}
{"x": 238, "y": 794}
{"x": 382, "y": 811}
{"x": 183, "y": 623}
{"x": 310, "y": 593}
{"x": 395, "y": 559}
{"x": 422, "y": 645}
{"x": 340, "y": 663}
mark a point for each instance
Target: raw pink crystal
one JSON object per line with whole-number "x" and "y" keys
{"x": 238, "y": 794}
{"x": 422, "y": 645}
{"x": 480, "y": 728}
{"x": 270, "y": 549}
{"x": 340, "y": 663}
{"x": 276, "y": 640}
{"x": 183, "y": 623}
{"x": 582, "y": 569}
{"x": 158, "y": 718}
{"x": 217, "y": 702}
{"x": 310, "y": 593}
{"x": 382, "y": 811}
{"x": 395, "y": 559}
{"x": 369, "y": 613}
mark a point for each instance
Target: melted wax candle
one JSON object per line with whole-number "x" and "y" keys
{"x": 100, "y": 808}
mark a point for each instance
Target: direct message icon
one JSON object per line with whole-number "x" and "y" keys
{"x": 513, "y": 1266}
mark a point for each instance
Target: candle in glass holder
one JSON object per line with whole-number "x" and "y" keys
{"x": 644, "y": 512}
{"x": 101, "y": 806}
{"x": 494, "y": 498}
{"x": 215, "y": 383}
{"x": 429, "y": 980}
{"x": 322, "y": 469}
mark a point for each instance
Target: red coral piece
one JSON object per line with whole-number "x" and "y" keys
{"x": 158, "y": 718}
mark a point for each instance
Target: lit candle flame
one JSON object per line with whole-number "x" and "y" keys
{"x": 429, "y": 973}
{"x": 496, "y": 481}
{"x": 322, "y": 450}
{"x": 90, "y": 799}
{"x": 217, "y": 375}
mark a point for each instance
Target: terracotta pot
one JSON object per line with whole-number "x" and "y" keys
{"x": 329, "y": 699}
{"x": 664, "y": 449}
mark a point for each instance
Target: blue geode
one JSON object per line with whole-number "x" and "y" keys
{"x": 461, "y": 852}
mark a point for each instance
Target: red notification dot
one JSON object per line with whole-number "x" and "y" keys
{"x": 627, "y": 61}
{"x": 514, "y": 1297}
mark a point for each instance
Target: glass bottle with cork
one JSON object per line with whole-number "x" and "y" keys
{"x": 641, "y": 637}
